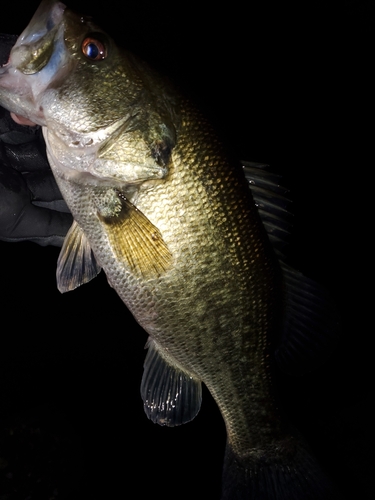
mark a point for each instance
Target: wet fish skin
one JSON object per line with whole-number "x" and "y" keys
{"x": 171, "y": 220}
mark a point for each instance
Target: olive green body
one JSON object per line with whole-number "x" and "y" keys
{"x": 216, "y": 307}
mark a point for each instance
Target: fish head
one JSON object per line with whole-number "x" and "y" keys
{"x": 103, "y": 117}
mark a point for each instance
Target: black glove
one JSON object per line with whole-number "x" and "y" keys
{"x": 31, "y": 205}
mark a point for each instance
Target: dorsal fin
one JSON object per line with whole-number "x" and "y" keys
{"x": 272, "y": 201}
{"x": 76, "y": 264}
{"x": 311, "y": 324}
{"x": 171, "y": 396}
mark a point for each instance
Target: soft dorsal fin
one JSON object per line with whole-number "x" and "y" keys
{"x": 76, "y": 264}
{"x": 171, "y": 396}
{"x": 311, "y": 324}
{"x": 272, "y": 201}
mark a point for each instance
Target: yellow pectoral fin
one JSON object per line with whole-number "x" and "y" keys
{"x": 135, "y": 240}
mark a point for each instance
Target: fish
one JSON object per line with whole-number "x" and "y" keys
{"x": 191, "y": 240}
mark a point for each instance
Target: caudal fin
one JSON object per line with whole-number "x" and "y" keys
{"x": 283, "y": 471}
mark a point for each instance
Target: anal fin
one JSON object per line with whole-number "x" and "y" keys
{"x": 171, "y": 396}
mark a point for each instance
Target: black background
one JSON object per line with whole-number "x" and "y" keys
{"x": 288, "y": 85}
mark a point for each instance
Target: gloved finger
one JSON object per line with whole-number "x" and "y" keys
{"x": 40, "y": 225}
{"x": 14, "y": 193}
{"x": 43, "y": 187}
{"x": 27, "y": 157}
{"x": 12, "y": 133}
{"x": 20, "y": 220}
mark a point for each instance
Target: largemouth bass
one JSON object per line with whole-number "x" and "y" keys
{"x": 193, "y": 251}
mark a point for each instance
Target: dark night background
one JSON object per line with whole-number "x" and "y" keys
{"x": 287, "y": 85}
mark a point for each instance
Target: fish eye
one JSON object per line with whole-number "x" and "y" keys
{"x": 93, "y": 48}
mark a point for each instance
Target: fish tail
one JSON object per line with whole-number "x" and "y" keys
{"x": 276, "y": 473}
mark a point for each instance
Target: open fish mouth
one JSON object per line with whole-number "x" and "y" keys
{"x": 34, "y": 61}
{"x": 35, "y": 46}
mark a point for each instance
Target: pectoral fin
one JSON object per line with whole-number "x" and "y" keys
{"x": 76, "y": 264}
{"x": 136, "y": 241}
{"x": 171, "y": 396}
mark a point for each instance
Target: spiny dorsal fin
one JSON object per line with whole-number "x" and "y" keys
{"x": 171, "y": 396}
{"x": 76, "y": 264}
{"x": 135, "y": 240}
{"x": 272, "y": 201}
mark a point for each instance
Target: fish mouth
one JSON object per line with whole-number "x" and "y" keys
{"x": 35, "y": 46}
{"x": 34, "y": 61}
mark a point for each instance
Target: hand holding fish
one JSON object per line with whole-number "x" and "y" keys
{"x": 31, "y": 206}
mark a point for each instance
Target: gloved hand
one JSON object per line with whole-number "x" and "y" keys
{"x": 31, "y": 205}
